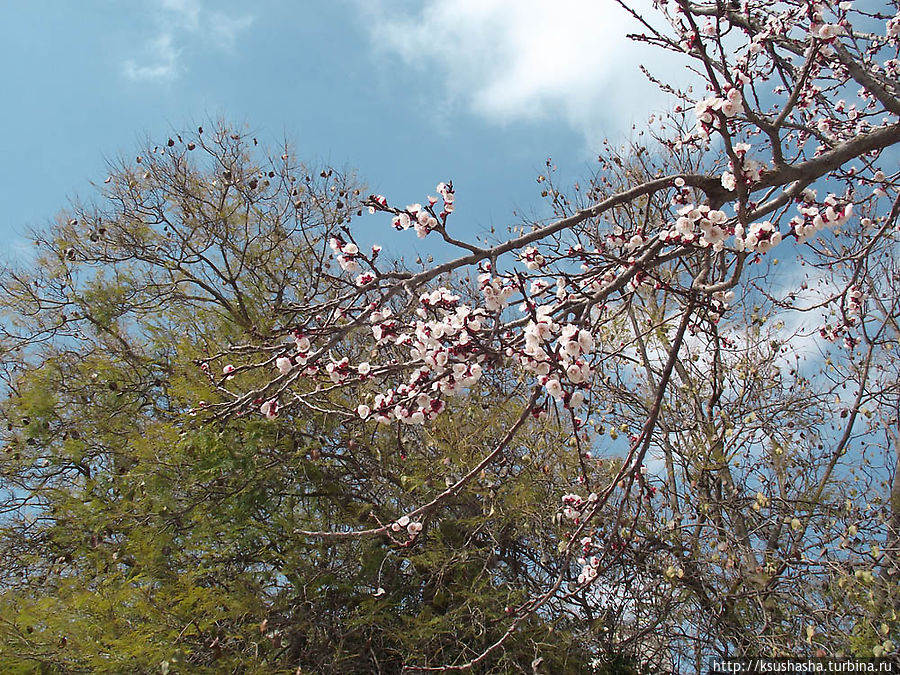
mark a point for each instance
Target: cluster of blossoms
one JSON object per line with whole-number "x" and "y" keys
{"x": 421, "y": 219}
{"x": 384, "y": 327}
{"x": 832, "y": 333}
{"x": 444, "y": 344}
{"x": 841, "y": 329}
{"x": 589, "y": 563}
{"x": 539, "y": 287}
{"x": 532, "y": 258}
{"x": 418, "y": 218}
{"x": 729, "y": 105}
{"x": 379, "y": 200}
{"x": 346, "y": 253}
{"x": 749, "y": 170}
{"x": 455, "y": 320}
{"x": 827, "y": 31}
{"x": 565, "y": 364}
{"x": 285, "y": 364}
{"x": 828, "y": 126}
{"x": 813, "y": 217}
{"x": 539, "y": 333}
{"x": 399, "y": 404}
{"x": 574, "y": 506}
{"x": 854, "y": 300}
{"x": 822, "y": 29}
{"x": 721, "y": 300}
{"x": 618, "y": 238}
{"x": 445, "y": 350}
{"x": 711, "y": 223}
{"x": 761, "y": 237}
{"x": 412, "y": 527}
{"x": 893, "y": 27}
{"x": 636, "y": 241}
{"x": 496, "y": 292}
{"x": 445, "y": 190}
{"x": 589, "y": 568}
{"x": 339, "y": 370}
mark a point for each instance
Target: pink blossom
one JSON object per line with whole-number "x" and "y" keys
{"x": 269, "y": 409}
{"x": 283, "y": 364}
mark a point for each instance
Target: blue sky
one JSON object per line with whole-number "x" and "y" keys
{"x": 407, "y": 93}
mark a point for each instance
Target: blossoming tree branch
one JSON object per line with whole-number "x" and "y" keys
{"x": 637, "y": 307}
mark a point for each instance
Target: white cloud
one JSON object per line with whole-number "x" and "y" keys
{"x": 511, "y": 60}
{"x": 162, "y": 63}
{"x": 180, "y": 21}
{"x": 224, "y": 30}
{"x": 185, "y": 12}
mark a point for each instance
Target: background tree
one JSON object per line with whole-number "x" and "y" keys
{"x": 136, "y": 538}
